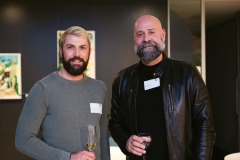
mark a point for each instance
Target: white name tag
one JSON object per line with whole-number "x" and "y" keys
{"x": 96, "y": 108}
{"x": 152, "y": 83}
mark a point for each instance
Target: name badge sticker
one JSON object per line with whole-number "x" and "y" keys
{"x": 96, "y": 108}
{"x": 152, "y": 83}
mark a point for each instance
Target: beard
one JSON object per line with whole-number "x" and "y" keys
{"x": 150, "y": 53}
{"x": 74, "y": 70}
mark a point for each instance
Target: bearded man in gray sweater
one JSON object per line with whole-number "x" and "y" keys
{"x": 61, "y": 105}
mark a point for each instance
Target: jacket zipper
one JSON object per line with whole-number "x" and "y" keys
{"x": 171, "y": 97}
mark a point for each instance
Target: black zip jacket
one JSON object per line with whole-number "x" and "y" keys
{"x": 187, "y": 110}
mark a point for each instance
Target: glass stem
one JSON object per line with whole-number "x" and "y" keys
{"x": 144, "y": 157}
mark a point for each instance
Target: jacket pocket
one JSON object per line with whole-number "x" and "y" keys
{"x": 170, "y": 98}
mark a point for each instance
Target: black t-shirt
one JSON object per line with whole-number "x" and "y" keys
{"x": 150, "y": 114}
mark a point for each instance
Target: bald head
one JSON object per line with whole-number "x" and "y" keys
{"x": 147, "y": 21}
{"x": 147, "y": 28}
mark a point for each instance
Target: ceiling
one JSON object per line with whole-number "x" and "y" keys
{"x": 216, "y": 12}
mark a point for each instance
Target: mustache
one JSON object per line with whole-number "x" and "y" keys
{"x": 147, "y": 44}
{"x": 76, "y": 58}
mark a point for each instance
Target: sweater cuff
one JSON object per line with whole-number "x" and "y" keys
{"x": 65, "y": 156}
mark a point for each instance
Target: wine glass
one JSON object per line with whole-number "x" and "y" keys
{"x": 91, "y": 138}
{"x": 145, "y": 143}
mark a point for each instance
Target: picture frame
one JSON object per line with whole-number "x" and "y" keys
{"x": 10, "y": 76}
{"x": 91, "y": 67}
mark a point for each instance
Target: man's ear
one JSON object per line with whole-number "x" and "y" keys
{"x": 163, "y": 35}
{"x": 60, "y": 52}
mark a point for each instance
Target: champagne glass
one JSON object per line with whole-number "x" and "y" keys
{"x": 145, "y": 143}
{"x": 91, "y": 138}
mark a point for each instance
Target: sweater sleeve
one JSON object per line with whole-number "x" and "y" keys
{"x": 27, "y": 138}
{"x": 105, "y": 150}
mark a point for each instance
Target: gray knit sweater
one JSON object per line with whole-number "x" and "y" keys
{"x": 59, "y": 110}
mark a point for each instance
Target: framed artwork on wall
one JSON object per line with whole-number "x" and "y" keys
{"x": 91, "y": 68}
{"x": 10, "y": 76}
